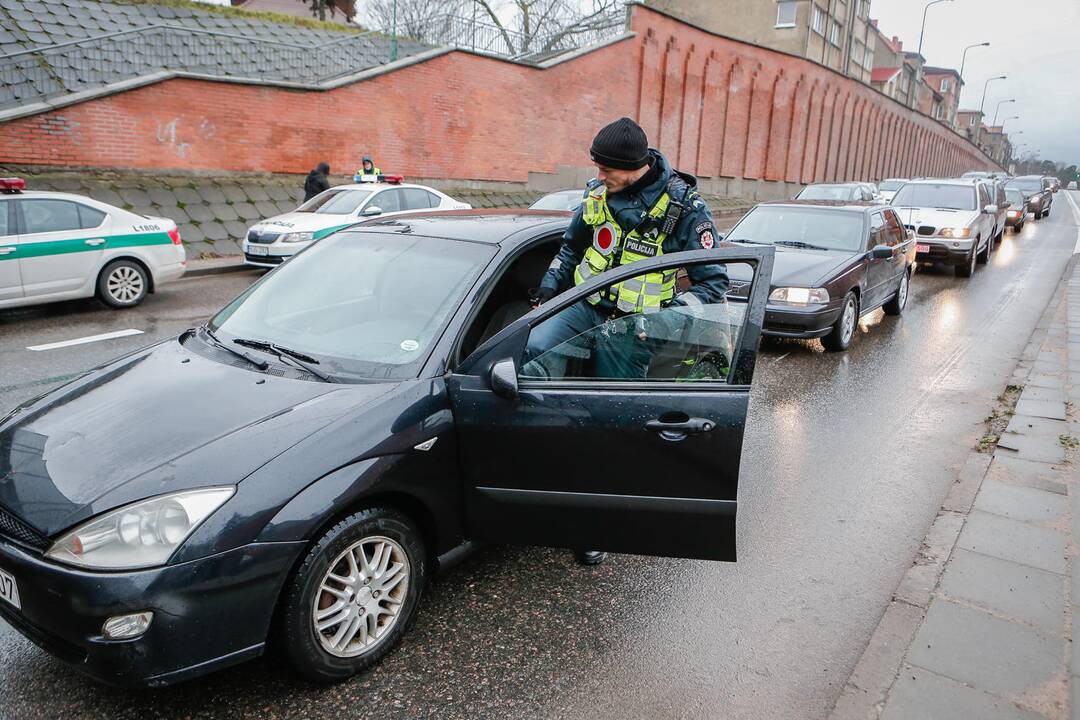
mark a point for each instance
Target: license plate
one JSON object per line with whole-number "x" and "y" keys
{"x": 922, "y": 248}
{"x": 9, "y": 591}
{"x": 258, "y": 250}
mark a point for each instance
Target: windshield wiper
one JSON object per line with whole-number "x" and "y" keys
{"x": 261, "y": 364}
{"x": 800, "y": 244}
{"x": 743, "y": 241}
{"x": 295, "y": 357}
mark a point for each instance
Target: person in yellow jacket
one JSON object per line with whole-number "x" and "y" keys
{"x": 368, "y": 167}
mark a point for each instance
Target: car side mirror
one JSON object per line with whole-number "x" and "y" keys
{"x": 371, "y": 211}
{"x": 504, "y": 379}
{"x": 990, "y": 209}
{"x": 881, "y": 252}
{"x": 910, "y": 234}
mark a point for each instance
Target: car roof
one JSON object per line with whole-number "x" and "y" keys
{"x": 1028, "y": 177}
{"x": 965, "y": 182}
{"x": 492, "y": 227}
{"x": 853, "y": 205}
{"x": 380, "y": 186}
{"x": 838, "y": 184}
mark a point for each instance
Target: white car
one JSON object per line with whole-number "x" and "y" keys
{"x": 954, "y": 220}
{"x": 59, "y": 246}
{"x": 887, "y": 188}
{"x": 568, "y": 200}
{"x": 270, "y": 242}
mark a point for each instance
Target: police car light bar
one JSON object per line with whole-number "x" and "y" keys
{"x": 12, "y": 185}
{"x": 391, "y": 179}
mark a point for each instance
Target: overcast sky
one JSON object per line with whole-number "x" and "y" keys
{"x": 1036, "y": 43}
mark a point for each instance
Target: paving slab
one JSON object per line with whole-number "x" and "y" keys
{"x": 234, "y": 193}
{"x": 199, "y": 212}
{"x": 1020, "y": 542}
{"x": 962, "y": 494}
{"x": 986, "y": 652}
{"x": 236, "y": 229}
{"x": 1041, "y": 408}
{"x": 214, "y": 231}
{"x": 923, "y": 695}
{"x": 256, "y": 193}
{"x": 917, "y": 585}
{"x": 1020, "y": 503}
{"x": 162, "y": 196}
{"x": 1033, "y": 447}
{"x": 1043, "y": 393}
{"x": 266, "y": 208}
{"x": 246, "y": 211}
{"x": 223, "y": 212}
{"x": 191, "y": 234}
{"x": 1041, "y": 476}
{"x": 135, "y": 196}
{"x": 1028, "y": 425}
{"x": 187, "y": 195}
{"x": 1008, "y": 589}
{"x": 211, "y": 193}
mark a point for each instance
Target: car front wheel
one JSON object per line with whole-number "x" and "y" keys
{"x": 353, "y": 595}
{"x": 899, "y": 301}
{"x": 123, "y": 284}
{"x": 968, "y": 268}
{"x": 843, "y": 330}
{"x": 984, "y": 256}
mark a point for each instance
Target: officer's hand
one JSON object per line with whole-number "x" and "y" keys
{"x": 539, "y": 296}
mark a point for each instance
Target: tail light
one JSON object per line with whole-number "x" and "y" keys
{"x": 174, "y": 235}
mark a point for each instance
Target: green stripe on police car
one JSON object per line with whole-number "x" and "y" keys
{"x": 73, "y": 245}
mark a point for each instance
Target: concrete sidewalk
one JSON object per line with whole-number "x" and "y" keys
{"x": 981, "y": 625}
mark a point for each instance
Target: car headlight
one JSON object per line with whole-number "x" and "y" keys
{"x": 297, "y": 237}
{"x": 140, "y": 535}
{"x": 959, "y": 233}
{"x": 799, "y": 295}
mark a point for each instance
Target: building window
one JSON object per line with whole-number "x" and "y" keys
{"x": 945, "y": 85}
{"x": 864, "y": 9}
{"x": 834, "y": 34}
{"x": 817, "y": 23}
{"x": 971, "y": 121}
{"x": 785, "y": 13}
{"x": 857, "y": 53}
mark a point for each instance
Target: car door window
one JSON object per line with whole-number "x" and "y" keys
{"x": 7, "y": 218}
{"x": 43, "y": 216}
{"x": 682, "y": 343}
{"x": 415, "y": 199}
{"x": 89, "y": 217}
{"x": 387, "y": 201}
{"x": 1001, "y": 200}
{"x": 877, "y": 230}
{"x": 895, "y": 231}
{"x": 984, "y": 198}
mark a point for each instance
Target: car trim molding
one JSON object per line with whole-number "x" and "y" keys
{"x": 602, "y": 501}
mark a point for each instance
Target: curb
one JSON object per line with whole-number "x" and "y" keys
{"x": 864, "y": 694}
{"x": 217, "y": 267}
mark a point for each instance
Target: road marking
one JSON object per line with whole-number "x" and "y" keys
{"x": 1076, "y": 214}
{"x": 84, "y": 340}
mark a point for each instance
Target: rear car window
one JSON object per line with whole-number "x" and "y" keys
{"x": 50, "y": 215}
{"x": 89, "y": 217}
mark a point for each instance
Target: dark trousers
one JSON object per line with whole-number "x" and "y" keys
{"x": 619, "y": 353}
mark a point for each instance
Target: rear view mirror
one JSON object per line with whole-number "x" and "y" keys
{"x": 881, "y": 252}
{"x": 371, "y": 211}
{"x": 504, "y": 379}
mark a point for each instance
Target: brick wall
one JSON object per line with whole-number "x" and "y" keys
{"x": 720, "y": 108}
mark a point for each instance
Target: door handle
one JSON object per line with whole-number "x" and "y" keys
{"x": 96, "y": 241}
{"x": 679, "y": 430}
{"x": 7, "y": 250}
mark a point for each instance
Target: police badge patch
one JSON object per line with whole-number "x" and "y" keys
{"x": 706, "y": 240}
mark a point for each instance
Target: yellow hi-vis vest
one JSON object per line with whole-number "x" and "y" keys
{"x": 644, "y": 294}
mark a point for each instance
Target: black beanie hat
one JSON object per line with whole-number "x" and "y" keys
{"x": 622, "y": 145}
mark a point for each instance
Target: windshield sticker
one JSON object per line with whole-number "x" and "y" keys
{"x": 409, "y": 345}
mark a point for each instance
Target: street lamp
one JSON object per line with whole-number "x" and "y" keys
{"x": 999, "y": 108}
{"x": 986, "y": 85}
{"x": 963, "y": 60}
{"x": 923, "y": 30}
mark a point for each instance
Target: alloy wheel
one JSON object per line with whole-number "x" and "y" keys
{"x": 847, "y": 328}
{"x": 360, "y": 597}
{"x": 901, "y": 293}
{"x": 124, "y": 284}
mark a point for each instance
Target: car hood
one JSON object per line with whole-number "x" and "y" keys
{"x": 160, "y": 420}
{"x": 800, "y": 268}
{"x": 319, "y": 223}
{"x": 936, "y": 218}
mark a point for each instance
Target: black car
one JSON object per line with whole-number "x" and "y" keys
{"x": 1016, "y": 216}
{"x": 834, "y": 263}
{"x": 1038, "y": 193}
{"x": 300, "y": 466}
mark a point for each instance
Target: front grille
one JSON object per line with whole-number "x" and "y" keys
{"x": 15, "y": 529}
{"x": 267, "y": 259}
{"x": 927, "y": 229}
{"x": 264, "y": 238}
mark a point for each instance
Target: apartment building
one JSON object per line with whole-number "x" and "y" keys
{"x": 946, "y": 83}
{"x": 835, "y": 33}
{"x": 968, "y": 123}
{"x": 892, "y": 74}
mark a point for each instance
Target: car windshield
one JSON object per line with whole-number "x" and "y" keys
{"x": 891, "y": 185}
{"x": 826, "y": 192}
{"x": 365, "y": 305}
{"x": 335, "y": 202}
{"x": 936, "y": 195}
{"x": 1029, "y": 186}
{"x": 801, "y": 227}
{"x": 568, "y": 200}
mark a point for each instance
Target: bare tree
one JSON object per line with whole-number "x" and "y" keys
{"x": 537, "y": 26}
{"x": 414, "y": 17}
{"x": 320, "y": 8}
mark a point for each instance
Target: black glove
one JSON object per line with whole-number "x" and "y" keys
{"x": 541, "y": 295}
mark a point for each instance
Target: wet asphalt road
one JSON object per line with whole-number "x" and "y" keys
{"x": 847, "y": 458}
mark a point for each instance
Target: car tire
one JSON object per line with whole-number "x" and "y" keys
{"x": 899, "y": 300}
{"x": 326, "y": 651}
{"x": 967, "y": 269}
{"x": 983, "y": 256}
{"x": 843, "y": 330}
{"x": 123, "y": 284}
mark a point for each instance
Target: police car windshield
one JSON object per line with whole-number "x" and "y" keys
{"x": 335, "y": 202}
{"x": 800, "y": 226}
{"x": 936, "y": 195}
{"x": 365, "y": 305}
{"x": 826, "y": 192}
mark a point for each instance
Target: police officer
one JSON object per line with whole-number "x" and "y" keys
{"x": 368, "y": 167}
{"x": 638, "y": 207}
{"x": 317, "y": 181}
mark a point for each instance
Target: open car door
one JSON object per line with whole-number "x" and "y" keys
{"x": 554, "y": 454}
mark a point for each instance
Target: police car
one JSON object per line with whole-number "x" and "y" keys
{"x": 59, "y": 246}
{"x": 269, "y": 242}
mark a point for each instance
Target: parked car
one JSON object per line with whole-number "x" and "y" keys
{"x": 272, "y": 241}
{"x": 996, "y": 190}
{"x": 835, "y": 262}
{"x": 1016, "y": 216}
{"x": 839, "y": 191}
{"x": 887, "y": 188}
{"x": 1055, "y": 184}
{"x": 953, "y": 221}
{"x": 1072, "y": 185}
{"x": 342, "y": 430}
{"x": 1037, "y": 191}
{"x": 568, "y": 200}
{"x": 61, "y": 246}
